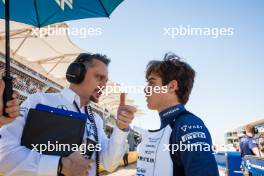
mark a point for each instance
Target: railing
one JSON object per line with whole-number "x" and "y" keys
{"x": 253, "y": 165}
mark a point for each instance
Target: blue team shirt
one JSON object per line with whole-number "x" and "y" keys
{"x": 246, "y": 145}
{"x": 189, "y": 129}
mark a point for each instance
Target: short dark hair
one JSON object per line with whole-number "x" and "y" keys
{"x": 173, "y": 68}
{"x": 87, "y": 59}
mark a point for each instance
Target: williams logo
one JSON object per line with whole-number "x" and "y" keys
{"x": 62, "y": 3}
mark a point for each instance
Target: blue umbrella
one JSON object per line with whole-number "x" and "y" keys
{"x": 40, "y": 13}
{"x": 44, "y": 12}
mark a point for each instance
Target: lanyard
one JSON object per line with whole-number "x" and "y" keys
{"x": 85, "y": 110}
{"x": 78, "y": 109}
{"x": 91, "y": 118}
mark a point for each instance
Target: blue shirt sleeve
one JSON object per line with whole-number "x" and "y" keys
{"x": 195, "y": 154}
{"x": 252, "y": 144}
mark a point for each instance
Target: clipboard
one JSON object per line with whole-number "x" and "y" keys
{"x": 49, "y": 126}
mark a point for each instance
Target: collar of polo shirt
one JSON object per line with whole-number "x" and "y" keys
{"x": 71, "y": 96}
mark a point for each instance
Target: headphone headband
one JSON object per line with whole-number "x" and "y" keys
{"x": 83, "y": 57}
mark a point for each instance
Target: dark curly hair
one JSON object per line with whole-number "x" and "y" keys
{"x": 173, "y": 68}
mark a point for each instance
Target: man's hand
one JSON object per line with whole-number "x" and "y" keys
{"x": 125, "y": 113}
{"x": 12, "y": 106}
{"x": 76, "y": 165}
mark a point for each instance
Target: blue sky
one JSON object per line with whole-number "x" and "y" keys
{"x": 228, "y": 90}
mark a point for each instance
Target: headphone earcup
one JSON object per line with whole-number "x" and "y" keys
{"x": 75, "y": 73}
{"x": 255, "y": 130}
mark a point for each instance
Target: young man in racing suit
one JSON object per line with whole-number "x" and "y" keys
{"x": 182, "y": 146}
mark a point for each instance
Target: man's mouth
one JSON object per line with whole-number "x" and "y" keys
{"x": 95, "y": 96}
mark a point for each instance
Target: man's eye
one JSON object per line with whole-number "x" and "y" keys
{"x": 98, "y": 77}
{"x": 151, "y": 83}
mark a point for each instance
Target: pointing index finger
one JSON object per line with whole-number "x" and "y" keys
{"x": 122, "y": 99}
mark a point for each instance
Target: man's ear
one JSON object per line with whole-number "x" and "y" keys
{"x": 173, "y": 86}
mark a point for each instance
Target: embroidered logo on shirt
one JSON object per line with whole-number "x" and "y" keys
{"x": 153, "y": 140}
{"x": 150, "y": 146}
{"x": 64, "y": 107}
{"x": 146, "y": 159}
{"x": 171, "y": 111}
{"x": 193, "y": 135}
{"x": 184, "y": 128}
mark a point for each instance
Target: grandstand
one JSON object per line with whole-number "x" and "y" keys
{"x": 27, "y": 81}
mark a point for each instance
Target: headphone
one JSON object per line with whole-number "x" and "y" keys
{"x": 77, "y": 70}
{"x": 254, "y": 130}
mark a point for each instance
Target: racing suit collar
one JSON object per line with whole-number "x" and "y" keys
{"x": 167, "y": 115}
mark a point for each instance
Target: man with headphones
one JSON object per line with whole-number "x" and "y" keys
{"x": 248, "y": 145}
{"x": 87, "y": 74}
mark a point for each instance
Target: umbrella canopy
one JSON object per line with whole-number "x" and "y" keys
{"x": 44, "y": 12}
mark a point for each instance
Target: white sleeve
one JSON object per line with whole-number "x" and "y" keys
{"x": 19, "y": 160}
{"x": 113, "y": 149}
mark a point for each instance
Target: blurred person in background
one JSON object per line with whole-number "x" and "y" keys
{"x": 248, "y": 144}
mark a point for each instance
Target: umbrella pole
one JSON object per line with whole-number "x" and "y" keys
{"x": 7, "y": 78}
